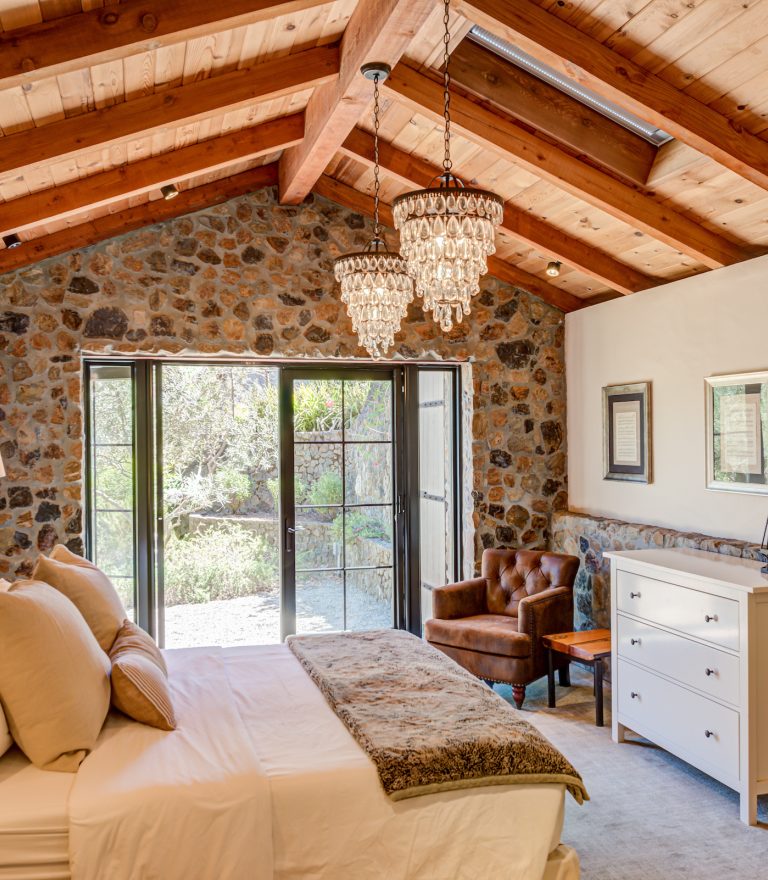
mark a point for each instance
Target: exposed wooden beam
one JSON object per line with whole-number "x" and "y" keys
{"x": 94, "y": 231}
{"x": 142, "y": 116}
{"x": 135, "y": 178}
{"x": 357, "y": 201}
{"x": 551, "y": 111}
{"x": 500, "y": 134}
{"x": 586, "y": 61}
{"x": 413, "y": 171}
{"x": 379, "y": 30}
{"x": 103, "y": 35}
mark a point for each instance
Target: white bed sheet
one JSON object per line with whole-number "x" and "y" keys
{"x": 34, "y": 820}
{"x": 331, "y": 819}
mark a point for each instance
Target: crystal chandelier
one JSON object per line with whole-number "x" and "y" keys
{"x": 375, "y": 284}
{"x": 447, "y": 231}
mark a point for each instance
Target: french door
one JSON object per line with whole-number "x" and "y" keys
{"x": 343, "y": 529}
{"x": 236, "y": 503}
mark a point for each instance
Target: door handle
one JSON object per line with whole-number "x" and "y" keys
{"x": 290, "y": 539}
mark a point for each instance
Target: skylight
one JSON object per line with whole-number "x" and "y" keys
{"x": 549, "y": 75}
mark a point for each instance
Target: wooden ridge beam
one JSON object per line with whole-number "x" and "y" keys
{"x": 173, "y": 107}
{"x": 501, "y": 135}
{"x": 145, "y": 175}
{"x": 379, "y": 30}
{"x": 99, "y": 36}
{"x": 519, "y": 224}
{"x": 351, "y": 198}
{"x": 111, "y": 225}
{"x": 591, "y": 64}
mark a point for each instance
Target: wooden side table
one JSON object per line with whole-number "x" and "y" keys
{"x": 589, "y": 646}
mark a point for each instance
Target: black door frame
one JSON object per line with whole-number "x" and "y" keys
{"x": 148, "y": 474}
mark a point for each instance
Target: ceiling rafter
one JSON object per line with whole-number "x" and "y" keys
{"x": 519, "y": 224}
{"x": 103, "y": 35}
{"x": 379, "y": 30}
{"x": 496, "y": 132}
{"x": 173, "y": 107}
{"x": 352, "y": 198}
{"x": 149, "y": 174}
{"x": 548, "y": 110}
{"x": 591, "y": 64}
{"x": 111, "y": 225}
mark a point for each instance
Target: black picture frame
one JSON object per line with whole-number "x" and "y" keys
{"x": 627, "y": 432}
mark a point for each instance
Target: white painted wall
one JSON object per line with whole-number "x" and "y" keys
{"x": 673, "y": 336}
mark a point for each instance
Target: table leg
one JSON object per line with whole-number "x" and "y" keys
{"x": 551, "y": 678}
{"x": 598, "y": 666}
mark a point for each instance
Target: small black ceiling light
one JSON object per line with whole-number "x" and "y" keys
{"x": 11, "y": 241}
{"x": 553, "y": 268}
{"x": 169, "y": 191}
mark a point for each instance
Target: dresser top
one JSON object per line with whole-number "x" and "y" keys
{"x": 743, "y": 574}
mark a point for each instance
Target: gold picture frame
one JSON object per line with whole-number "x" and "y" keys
{"x": 737, "y": 432}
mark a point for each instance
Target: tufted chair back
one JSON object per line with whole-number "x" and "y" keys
{"x": 511, "y": 575}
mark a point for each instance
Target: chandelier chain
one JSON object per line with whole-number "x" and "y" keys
{"x": 447, "y": 90}
{"x": 376, "y": 182}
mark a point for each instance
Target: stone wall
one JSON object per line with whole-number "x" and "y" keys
{"x": 251, "y": 278}
{"x": 588, "y": 537}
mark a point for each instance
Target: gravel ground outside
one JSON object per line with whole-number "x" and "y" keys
{"x": 255, "y": 620}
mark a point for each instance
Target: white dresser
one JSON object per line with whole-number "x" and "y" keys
{"x": 689, "y": 662}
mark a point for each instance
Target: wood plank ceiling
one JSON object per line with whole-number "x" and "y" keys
{"x": 102, "y": 103}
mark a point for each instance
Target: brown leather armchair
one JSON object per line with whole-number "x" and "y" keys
{"x": 492, "y": 625}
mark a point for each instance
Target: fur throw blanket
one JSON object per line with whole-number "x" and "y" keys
{"x": 427, "y": 724}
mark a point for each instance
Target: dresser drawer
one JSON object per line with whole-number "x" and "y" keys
{"x": 700, "y": 731}
{"x": 700, "y": 666}
{"x": 698, "y": 614}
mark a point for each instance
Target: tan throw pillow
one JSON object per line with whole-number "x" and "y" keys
{"x": 91, "y": 591}
{"x": 54, "y": 678}
{"x": 139, "y": 679}
{"x": 132, "y": 637}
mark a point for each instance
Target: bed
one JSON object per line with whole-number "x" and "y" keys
{"x": 286, "y": 794}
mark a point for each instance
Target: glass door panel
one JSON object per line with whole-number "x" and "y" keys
{"x": 112, "y": 485}
{"x": 219, "y": 488}
{"x": 339, "y": 517}
{"x": 437, "y": 549}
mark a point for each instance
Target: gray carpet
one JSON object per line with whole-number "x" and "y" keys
{"x": 651, "y": 816}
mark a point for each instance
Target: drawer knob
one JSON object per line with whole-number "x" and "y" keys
{"x": 634, "y": 595}
{"x": 708, "y": 618}
{"x": 709, "y": 733}
{"x": 634, "y": 695}
{"x": 711, "y": 671}
{"x": 634, "y": 641}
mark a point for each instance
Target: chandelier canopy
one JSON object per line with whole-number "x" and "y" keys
{"x": 375, "y": 284}
{"x": 447, "y": 232}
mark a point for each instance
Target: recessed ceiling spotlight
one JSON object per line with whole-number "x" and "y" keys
{"x": 11, "y": 241}
{"x": 169, "y": 191}
{"x": 553, "y": 268}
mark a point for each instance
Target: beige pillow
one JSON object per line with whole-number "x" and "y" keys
{"x": 4, "y": 584}
{"x": 5, "y": 735}
{"x": 90, "y": 590}
{"x": 62, "y": 553}
{"x": 139, "y": 679}
{"x": 54, "y": 678}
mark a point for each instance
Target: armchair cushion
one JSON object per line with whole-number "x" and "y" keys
{"x": 459, "y": 600}
{"x": 486, "y": 633}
